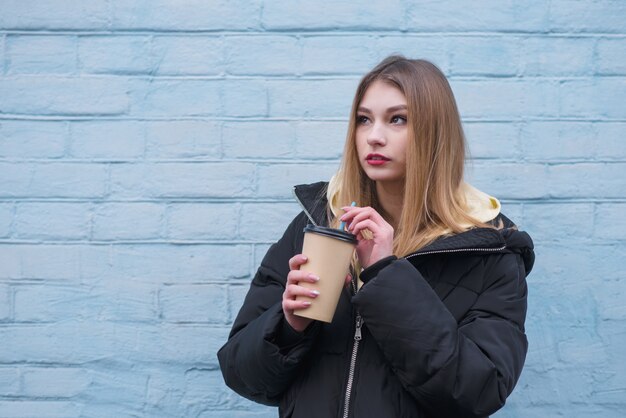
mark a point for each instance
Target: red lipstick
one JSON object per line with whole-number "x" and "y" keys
{"x": 376, "y": 159}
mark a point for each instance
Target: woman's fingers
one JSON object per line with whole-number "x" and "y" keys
{"x": 294, "y": 290}
{"x": 366, "y": 224}
{"x": 296, "y": 276}
{"x": 356, "y": 215}
{"x": 290, "y": 305}
{"x": 296, "y": 261}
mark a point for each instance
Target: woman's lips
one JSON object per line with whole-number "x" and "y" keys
{"x": 376, "y": 159}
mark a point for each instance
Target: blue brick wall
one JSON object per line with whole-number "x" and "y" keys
{"x": 147, "y": 154}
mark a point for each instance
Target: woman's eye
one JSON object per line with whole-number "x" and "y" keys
{"x": 360, "y": 120}
{"x": 398, "y": 120}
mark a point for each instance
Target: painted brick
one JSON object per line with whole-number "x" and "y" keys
{"x": 15, "y": 179}
{"x": 510, "y": 181}
{"x": 40, "y": 54}
{"x": 610, "y": 222}
{"x": 115, "y": 54}
{"x": 49, "y": 220}
{"x": 122, "y": 382}
{"x": 185, "y": 343}
{"x": 320, "y": 140}
{"x": 550, "y": 56}
{"x": 604, "y": 260}
{"x": 38, "y": 408}
{"x": 596, "y": 98}
{"x": 77, "y": 342}
{"x": 610, "y": 392}
{"x": 127, "y": 221}
{"x": 275, "y": 139}
{"x": 473, "y": 55}
{"x": 611, "y": 56}
{"x": 56, "y": 262}
{"x": 586, "y": 348}
{"x": 576, "y": 16}
{"x": 611, "y": 142}
{"x": 610, "y": 300}
{"x": 196, "y": 398}
{"x": 5, "y": 313}
{"x": 255, "y": 92}
{"x": 10, "y": 267}
{"x": 557, "y": 140}
{"x": 106, "y": 140}
{"x": 68, "y": 382}
{"x": 559, "y": 221}
{"x": 86, "y": 180}
{"x": 278, "y": 180}
{"x": 193, "y": 15}
{"x": 182, "y": 180}
{"x": 337, "y": 55}
{"x": 434, "y": 48}
{"x": 592, "y": 180}
{"x": 6, "y": 219}
{"x": 9, "y": 380}
{"x": 458, "y": 16}
{"x": 2, "y": 54}
{"x": 164, "y": 389}
{"x": 175, "y": 97}
{"x": 542, "y": 353}
{"x": 183, "y": 139}
{"x": 53, "y": 14}
{"x": 198, "y": 221}
{"x": 515, "y": 212}
{"x": 493, "y": 139}
{"x": 32, "y": 139}
{"x": 197, "y": 55}
{"x": 508, "y": 99}
{"x": 176, "y": 264}
{"x": 271, "y": 55}
{"x": 63, "y": 96}
{"x": 299, "y": 98}
{"x": 275, "y": 217}
{"x": 302, "y": 14}
{"x": 123, "y": 300}
{"x": 205, "y": 303}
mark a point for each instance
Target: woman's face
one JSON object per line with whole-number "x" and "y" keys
{"x": 381, "y": 133}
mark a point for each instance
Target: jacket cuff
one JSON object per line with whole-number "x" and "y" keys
{"x": 372, "y": 271}
{"x": 287, "y": 337}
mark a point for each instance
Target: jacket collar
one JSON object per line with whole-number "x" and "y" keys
{"x": 312, "y": 198}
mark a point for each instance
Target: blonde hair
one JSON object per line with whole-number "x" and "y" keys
{"x": 434, "y": 204}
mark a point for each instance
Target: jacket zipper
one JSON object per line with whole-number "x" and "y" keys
{"x": 355, "y": 349}
{"x": 457, "y": 250}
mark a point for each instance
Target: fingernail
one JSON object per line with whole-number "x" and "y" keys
{"x": 314, "y": 277}
{"x": 307, "y": 303}
{"x": 315, "y": 293}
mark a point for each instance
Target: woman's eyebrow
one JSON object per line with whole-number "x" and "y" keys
{"x": 389, "y": 110}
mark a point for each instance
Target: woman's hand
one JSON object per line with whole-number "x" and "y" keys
{"x": 380, "y": 245}
{"x": 293, "y": 289}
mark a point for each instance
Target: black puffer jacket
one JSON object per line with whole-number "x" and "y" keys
{"x": 442, "y": 330}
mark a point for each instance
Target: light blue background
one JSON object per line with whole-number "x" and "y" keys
{"x": 147, "y": 154}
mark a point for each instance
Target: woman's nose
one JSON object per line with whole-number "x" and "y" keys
{"x": 376, "y": 136}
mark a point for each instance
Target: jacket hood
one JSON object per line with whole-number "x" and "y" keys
{"x": 312, "y": 198}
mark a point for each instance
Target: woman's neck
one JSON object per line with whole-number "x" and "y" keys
{"x": 390, "y": 197}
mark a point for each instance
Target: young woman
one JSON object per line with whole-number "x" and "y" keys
{"x": 433, "y": 323}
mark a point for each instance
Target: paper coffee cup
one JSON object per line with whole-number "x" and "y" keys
{"x": 329, "y": 252}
